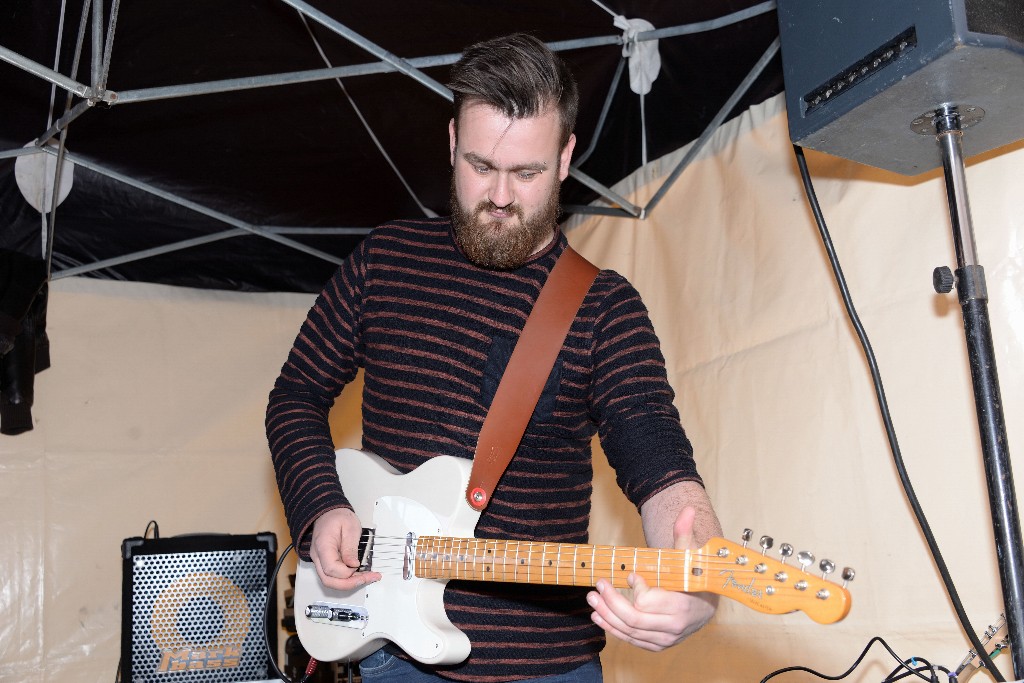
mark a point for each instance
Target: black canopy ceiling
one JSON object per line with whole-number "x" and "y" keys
{"x": 297, "y": 161}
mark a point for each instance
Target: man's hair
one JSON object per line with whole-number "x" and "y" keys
{"x": 520, "y": 77}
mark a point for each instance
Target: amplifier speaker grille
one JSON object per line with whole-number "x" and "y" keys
{"x": 193, "y": 608}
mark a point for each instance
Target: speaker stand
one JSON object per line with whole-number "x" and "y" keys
{"x": 947, "y": 124}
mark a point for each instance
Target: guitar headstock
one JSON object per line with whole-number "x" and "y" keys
{"x": 755, "y": 578}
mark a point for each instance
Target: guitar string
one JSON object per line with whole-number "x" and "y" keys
{"x": 437, "y": 545}
{"x": 440, "y": 556}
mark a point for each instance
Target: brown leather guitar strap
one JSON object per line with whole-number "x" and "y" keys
{"x": 528, "y": 369}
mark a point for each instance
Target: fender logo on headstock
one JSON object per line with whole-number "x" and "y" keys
{"x": 732, "y": 584}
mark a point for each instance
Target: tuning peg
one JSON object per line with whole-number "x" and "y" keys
{"x": 766, "y": 543}
{"x": 786, "y": 550}
{"x": 746, "y": 536}
{"x": 827, "y": 567}
{"x": 848, "y": 575}
{"x": 805, "y": 559}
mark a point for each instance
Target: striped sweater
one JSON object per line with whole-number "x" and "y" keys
{"x": 433, "y": 333}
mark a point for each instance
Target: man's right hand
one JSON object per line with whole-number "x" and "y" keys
{"x": 335, "y": 550}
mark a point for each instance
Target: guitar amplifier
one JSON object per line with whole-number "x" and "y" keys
{"x": 193, "y": 606}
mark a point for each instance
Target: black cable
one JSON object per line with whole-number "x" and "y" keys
{"x": 877, "y": 639}
{"x": 271, "y": 656}
{"x": 907, "y": 669}
{"x": 890, "y": 432}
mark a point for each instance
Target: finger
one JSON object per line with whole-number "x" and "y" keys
{"x": 327, "y": 560}
{"x": 651, "y": 601}
{"x": 354, "y": 582}
{"x": 647, "y": 639}
{"x": 351, "y": 535}
{"x": 326, "y": 549}
{"x": 684, "y": 613}
{"x": 351, "y": 532}
{"x": 614, "y": 613}
{"x": 682, "y": 530}
{"x": 340, "y": 576}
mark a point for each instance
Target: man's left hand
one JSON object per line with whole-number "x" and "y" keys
{"x": 655, "y": 618}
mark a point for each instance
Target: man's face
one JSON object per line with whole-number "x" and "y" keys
{"x": 505, "y": 179}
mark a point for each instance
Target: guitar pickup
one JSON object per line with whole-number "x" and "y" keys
{"x": 365, "y": 550}
{"x": 351, "y": 616}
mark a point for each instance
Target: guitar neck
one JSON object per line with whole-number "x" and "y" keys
{"x": 720, "y": 566}
{"x": 557, "y": 564}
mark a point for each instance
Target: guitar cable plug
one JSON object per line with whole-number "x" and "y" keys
{"x": 310, "y": 669}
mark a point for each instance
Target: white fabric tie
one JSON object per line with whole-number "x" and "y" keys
{"x": 644, "y": 59}
{"x": 644, "y": 66}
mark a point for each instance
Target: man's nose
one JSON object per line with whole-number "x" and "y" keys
{"x": 500, "y": 192}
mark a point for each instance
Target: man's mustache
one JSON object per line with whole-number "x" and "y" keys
{"x": 487, "y": 205}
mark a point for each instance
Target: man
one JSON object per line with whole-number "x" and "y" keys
{"x": 431, "y": 310}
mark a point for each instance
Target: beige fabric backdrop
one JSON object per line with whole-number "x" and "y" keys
{"x": 153, "y": 409}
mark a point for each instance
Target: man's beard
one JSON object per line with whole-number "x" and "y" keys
{"x": 506, "y": 244}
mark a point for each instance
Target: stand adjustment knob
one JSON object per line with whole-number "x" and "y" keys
{"x": 942, "y": 279}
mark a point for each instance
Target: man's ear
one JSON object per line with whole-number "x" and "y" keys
{"x": 565, "y": 157}
{"x": 451, "y": 140}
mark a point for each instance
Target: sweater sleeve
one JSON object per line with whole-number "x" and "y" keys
{"x": 638, "y": 423}
{"x": 323, "y": 360}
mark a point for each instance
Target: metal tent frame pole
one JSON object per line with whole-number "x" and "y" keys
{"x": 97, "y": 93}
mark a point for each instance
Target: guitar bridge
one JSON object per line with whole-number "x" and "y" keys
{"x": 350, "y": 616}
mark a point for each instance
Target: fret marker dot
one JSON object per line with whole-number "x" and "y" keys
{"x": 622, "y": 566}
{"x": 583, "y": 564}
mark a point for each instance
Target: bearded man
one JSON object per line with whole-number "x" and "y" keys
{"x": 431, "y": 310}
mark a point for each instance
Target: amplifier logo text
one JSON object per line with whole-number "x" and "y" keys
{"x": 188, "y": 659}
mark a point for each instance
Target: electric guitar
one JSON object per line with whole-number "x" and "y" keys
{"x": 422, "y": 536}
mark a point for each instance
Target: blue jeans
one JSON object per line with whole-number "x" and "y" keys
{"x": 384, "y": 667}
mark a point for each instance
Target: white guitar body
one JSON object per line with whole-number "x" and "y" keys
{"x": 401, "y": 607}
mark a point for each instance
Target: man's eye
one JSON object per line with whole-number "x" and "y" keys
{"x": 481, "y": 169}
{"x": 527, "y": 175}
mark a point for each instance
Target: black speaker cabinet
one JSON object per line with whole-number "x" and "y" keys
{"x": 859, "y": 73}
{"x": 193, "y": 608}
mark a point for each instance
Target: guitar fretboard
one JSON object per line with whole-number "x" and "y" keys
{"x": 561, "y": 564}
